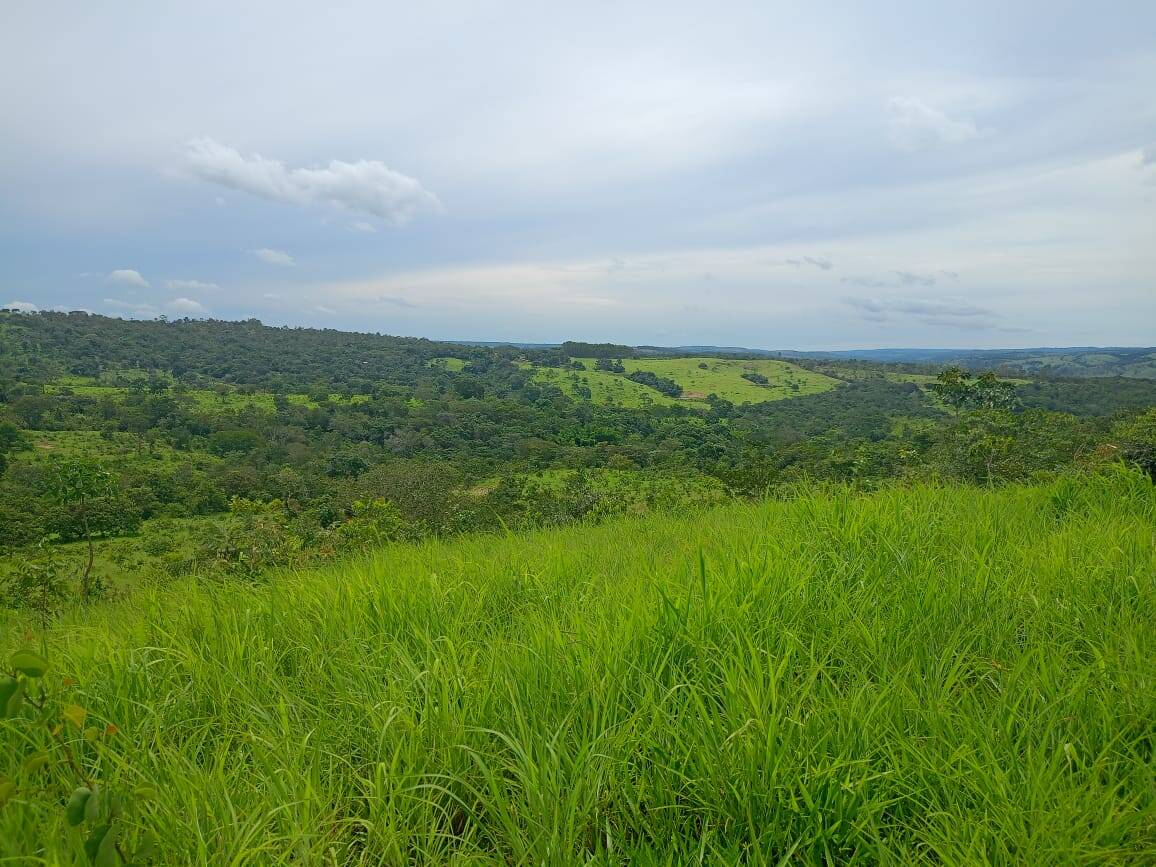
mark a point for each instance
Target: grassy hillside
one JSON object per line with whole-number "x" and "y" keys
{"x": 926, "y": 675}
{"x": 605, "y": 389}
{"x": 698, "y": 377}
{"x": 725, "y": 378}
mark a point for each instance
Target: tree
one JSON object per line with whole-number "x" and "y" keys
{"x": 1136, "y": 440}
{"x": 953, "y": 386}
{"x": 956, "y": 388}
{"x": 77, "y": 483}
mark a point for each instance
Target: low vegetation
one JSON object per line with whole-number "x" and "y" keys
{"x": 925, "y": 674}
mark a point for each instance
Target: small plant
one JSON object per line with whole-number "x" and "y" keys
{"x": 58, "y": 737}
{"x": 38, "y": 584}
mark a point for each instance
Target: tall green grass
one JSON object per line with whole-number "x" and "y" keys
{"x": 927, "y": 675}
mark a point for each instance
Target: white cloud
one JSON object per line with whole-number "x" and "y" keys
{"x": 1148, "y": 156}
{"x": 321, "y": 308}
{"x": 21, "y": 306}
{"x": 368, "y": 186}
{"x": 274, "y": 257}
{"x": 187, "y": 305}
{"x": 914, "y": 125}
{"x": 362, "y": 226}
{"x": 190, "y": 285}
{"x": 127, "y": 277}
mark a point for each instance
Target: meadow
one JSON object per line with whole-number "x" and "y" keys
{"x": 698, "y": 377}
{"x": 606, "y": 389}
{"x": 925, "y": 674}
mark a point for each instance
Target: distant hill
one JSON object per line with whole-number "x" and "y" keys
{"x": 1065, "y": 361}
{"x": 1078, "y": 361}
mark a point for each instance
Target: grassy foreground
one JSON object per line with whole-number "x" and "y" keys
{"x": 932, "y": 675}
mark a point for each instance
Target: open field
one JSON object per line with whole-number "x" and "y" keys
{"x": 699, "y": 377}
{"x": 724, "y": 378}
{"x": 610, "y": 389}
{"x": 924, "y": 675}
{"x": 448, "y": 362}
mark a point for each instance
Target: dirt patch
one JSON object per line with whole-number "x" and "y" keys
{"x": 693, "y": 395}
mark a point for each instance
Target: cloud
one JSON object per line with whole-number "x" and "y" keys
{"x": 21, "y": 306}
{"x": 909, "y": 278}
{"x": 366, "y": 186}
{"x": 1148, "y": 156}
{"x": 914, "y": 125}
{"x": 362, "y": 226}
{"x": 822, "y": 264}
{"x": 127, "y": 277}
{"x": 942, "y": 312}
{"x": 902, "y": 278}
{"x": 321, "y": 308}
{"x": 131, "y": 308}
{"x": 187, "y": 305}
{"x": 274, "y": 257}
{"x": 190, "y": 285}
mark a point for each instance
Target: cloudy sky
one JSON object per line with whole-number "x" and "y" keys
{"x": 805, "y": 175}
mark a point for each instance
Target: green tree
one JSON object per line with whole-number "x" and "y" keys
{"x": 79, "y": 482}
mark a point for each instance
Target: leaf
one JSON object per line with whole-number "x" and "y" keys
{"x": 29, "y": 664}
{"x": 145, "y": 792}
{"x": 8, "y": 686}
{"x": 92, "y": 807}
{"x": 148, "y": 847}
{"x": 15, "y": 700}
{"x": 94, "y": 840}
{"x": 76, "y": 804}
{"x": 75, "y": 715}
{"x": 106, "y": 854}
{"x": 7, "y": 790}
{"x": 36, "y": 762}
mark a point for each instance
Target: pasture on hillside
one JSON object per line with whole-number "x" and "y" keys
{"x": 607, "y": 389}
{"x": 698, "y": 377}
{"x": 927, "y": 674}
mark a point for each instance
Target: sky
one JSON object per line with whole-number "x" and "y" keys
{"x": 813, "y": 175}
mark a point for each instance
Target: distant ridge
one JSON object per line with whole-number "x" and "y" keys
{"x": 1071, "y": 361}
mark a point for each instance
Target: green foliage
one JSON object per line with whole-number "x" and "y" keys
{"x": 176, "y": 420}
{"x": 659, "y": 383}
{"x": 1136, "y": 440}
{"x": 56, "y": 753}
{"x": 956, "y": 388}
{"x": 928, "y": 674}
{"x": 580, "y": 349}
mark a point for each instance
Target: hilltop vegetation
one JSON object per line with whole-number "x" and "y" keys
{"x": 937, "y": 675}
{"x": 230, "y": 448}
{"x": 1067, "y": 362}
